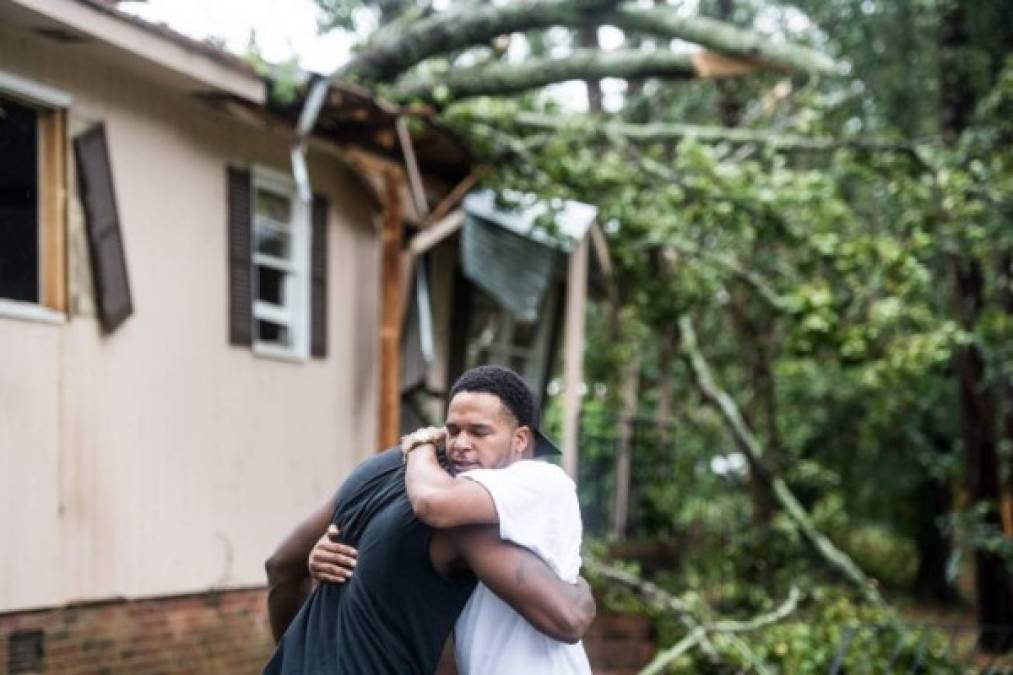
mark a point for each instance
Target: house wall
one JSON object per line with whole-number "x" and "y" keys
{"x": 160, "y": 460}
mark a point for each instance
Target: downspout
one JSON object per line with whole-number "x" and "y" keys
{"x": 307, "y": 120}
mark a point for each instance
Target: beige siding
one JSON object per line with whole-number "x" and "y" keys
{"x": 160, "y": 460}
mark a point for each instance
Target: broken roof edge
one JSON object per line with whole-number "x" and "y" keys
{"x": 571, "y": 218}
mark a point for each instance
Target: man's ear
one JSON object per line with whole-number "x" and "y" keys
{"x": 522, "y": 440}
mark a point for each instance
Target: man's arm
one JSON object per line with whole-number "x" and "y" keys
{"x": 288, "y": 577}
{"x": 524, "y": 581}
{"x": 440, "y": 500}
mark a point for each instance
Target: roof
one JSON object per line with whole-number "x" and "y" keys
{"x": 351, "y": 115}
{"x": 89, "y": 29}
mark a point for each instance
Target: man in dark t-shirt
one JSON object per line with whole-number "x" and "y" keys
{"x": 395, "y": 612}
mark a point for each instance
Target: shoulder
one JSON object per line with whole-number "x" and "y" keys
{"x": 543, "y": 472}
{"x": 368, "y": 471}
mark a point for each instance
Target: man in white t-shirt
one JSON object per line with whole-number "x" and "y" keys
{"x": 491, "y": 439}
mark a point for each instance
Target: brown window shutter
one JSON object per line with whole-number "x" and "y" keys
{"x": 318, "y": 279}
{"x": 105, "y": 240}
{"x": 240, "y": 257}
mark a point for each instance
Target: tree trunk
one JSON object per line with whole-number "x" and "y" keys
{"x": 624, "y": 446}
{"x": 666, "y": 385}
{"x": 934, "y": 549}
{"x": 993, "y": 582}
{"x": 761, "y": 410}
{"x": 587, "y": 37}
{"x": 1006, "y": 300}
{"x": 730, "y": 108}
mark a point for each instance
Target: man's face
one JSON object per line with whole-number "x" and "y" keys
{"x": 482, "y": 433}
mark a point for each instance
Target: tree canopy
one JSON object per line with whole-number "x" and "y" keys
{"x": 809, "y": 209}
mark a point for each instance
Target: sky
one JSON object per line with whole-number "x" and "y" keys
{"x": 283, "y": 27}
{"x": 286, "y": 28}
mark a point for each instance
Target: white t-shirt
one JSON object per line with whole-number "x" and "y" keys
{"x": 538, "y": 509}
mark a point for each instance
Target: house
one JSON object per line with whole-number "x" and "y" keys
{"x": 189, "y": 350}
{"x": 195, "y": 351}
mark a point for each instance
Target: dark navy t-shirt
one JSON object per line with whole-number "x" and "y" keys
{"x": 395, "y": 613}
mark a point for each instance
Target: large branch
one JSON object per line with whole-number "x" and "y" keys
{"x": 392, "y": 53}
{"x": 833, "y": 556}
{"x": 673, "y": 132}
{"x": 507, "y": 78}
{"x": 723, "y": 37}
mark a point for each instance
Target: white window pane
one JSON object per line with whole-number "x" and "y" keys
{"x": 272, "y": 241}
{"x": 273, "y": 205}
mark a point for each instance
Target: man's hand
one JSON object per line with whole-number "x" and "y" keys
{"x": 331, "y": 561}
{"x": 427, "y": 435}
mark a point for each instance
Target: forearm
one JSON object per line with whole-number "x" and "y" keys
{"x": 558, "y": 609}
{"x": 424, "y": 477}
{"x": 524, "y": 581}
{"x": 441, "y": 500}
{"x": 284, "y": 598}
{"x": 288, "y": 576}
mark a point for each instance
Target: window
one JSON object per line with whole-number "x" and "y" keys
{"x": 277, "y": 256}
{"x": 32, "y": 187}
{"x": 281, "y": 252}
{"x": 495, "y": 335}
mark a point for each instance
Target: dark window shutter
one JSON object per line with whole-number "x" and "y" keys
{"x": 105, "y": 241}
{"x": 240, "y": 257}
{"x": 318, "y": 279}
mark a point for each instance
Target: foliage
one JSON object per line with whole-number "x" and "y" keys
{"x": 808, "y": 643}
{"x": 820, "y": 283}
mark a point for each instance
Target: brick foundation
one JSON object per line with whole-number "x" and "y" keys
{"x": 209, "y": 633}
{"x": 223, "y": 632}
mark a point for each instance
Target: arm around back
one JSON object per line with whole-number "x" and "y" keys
{"x": 524, "y": 581}
{"x": 288, "y": 576}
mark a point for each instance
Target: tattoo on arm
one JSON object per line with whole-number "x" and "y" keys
{"x": 520, "y": 574}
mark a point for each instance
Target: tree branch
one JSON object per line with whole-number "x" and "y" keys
{"x": 672, "y": 132}
{"x": 655, "y": 595}
{"x": 508, "y": 78}
{"x": 833, "y": 556}
{"x": 392, "y": 53}
{"x": 698, "y": 634}
{"x": 723, "y": 37}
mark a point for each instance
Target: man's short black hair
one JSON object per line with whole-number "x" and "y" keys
{"x": 504, "y": 383}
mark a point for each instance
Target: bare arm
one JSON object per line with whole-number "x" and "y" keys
{"x": 288, "y": 578}
{"x": 525, "y": 582}
{"x": 440, "y": 500}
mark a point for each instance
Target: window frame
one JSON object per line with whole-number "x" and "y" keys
{"x": 51, "y": 106}
{"x": 296, "y": 267}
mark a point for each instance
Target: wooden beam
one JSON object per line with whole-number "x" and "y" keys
{"x": 412, "y": 166}
{"x": 434, "y": 234}
{"x": 451, "y": 200}
{"x": 573, "y": 352}
{"x": 391, "y": 231}
{"x": 53, "y": 208}
{"x": 624, "y": 451}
